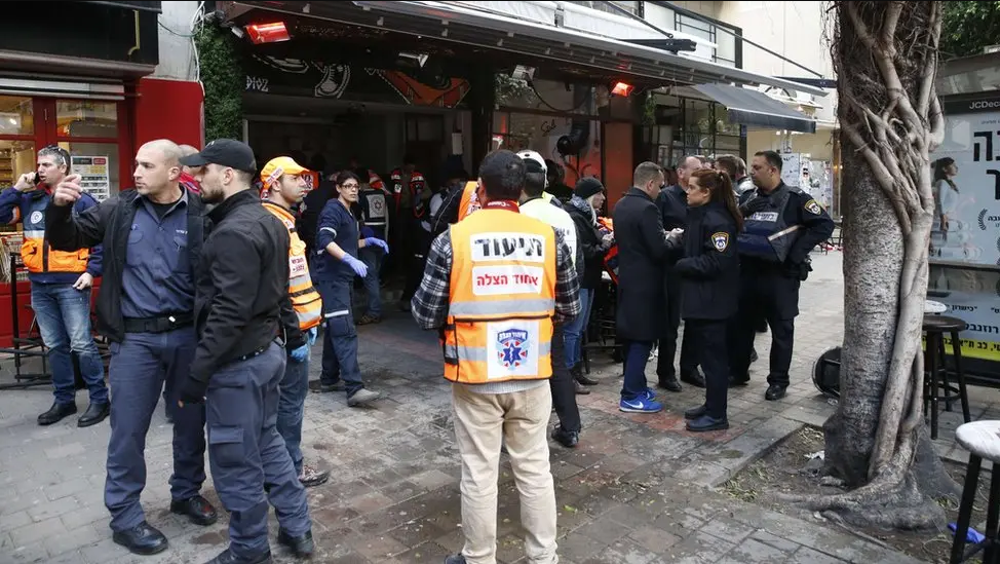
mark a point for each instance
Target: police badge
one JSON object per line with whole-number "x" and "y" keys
{"x": 720, "y": 241}
{"x": 813, "y": 207}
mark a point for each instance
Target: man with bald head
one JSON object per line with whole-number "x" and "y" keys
{"x": 188, "y": 173}
{"x": 672, "y": 203}
{"x": 152, "y": 239}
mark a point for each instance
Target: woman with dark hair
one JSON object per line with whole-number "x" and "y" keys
{"x": 945, "y": 193}
{"x": 710, "y": 277}
{"x": 337, "y": 243}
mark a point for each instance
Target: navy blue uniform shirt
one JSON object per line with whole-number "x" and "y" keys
{"x": 157, "y": 279}
{"x": 336, "y": 225}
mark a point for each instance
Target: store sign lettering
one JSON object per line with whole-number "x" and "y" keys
{"x": 256, "y": 84}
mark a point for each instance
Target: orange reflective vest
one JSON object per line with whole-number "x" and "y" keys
{"x": 305, "y": 299}
{"x": 469, "y": 202}
{"x": 36, "y": 253}
{"x": 415, "y": 188}
{"x": 501, "y": 299}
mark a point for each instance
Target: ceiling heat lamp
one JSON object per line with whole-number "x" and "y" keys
{"x": 273, "y": 32}
{"x": 622, "y": 89}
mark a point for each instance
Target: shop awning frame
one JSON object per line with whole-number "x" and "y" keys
{"x": 451, "y": 22}
{"x": 752, "y": 108}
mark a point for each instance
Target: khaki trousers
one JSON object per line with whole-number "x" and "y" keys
{"x": 520, "y": 420}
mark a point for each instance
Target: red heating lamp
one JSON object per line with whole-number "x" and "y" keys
{"x": 268, "y": 32}
{"x": 622, "y": 89}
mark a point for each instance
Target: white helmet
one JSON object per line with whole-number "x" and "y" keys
{"x": 536, "y": 159}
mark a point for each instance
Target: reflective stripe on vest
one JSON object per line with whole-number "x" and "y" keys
{"x": 469, "y": 202}
{"x": 306, "y": 300}
{"x": 501, "y": 299}
{"x": 37, "y": 255}
{"x": 765, "y": 234}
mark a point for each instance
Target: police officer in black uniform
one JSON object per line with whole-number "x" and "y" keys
{"x": 782, "y": 224}
{"x": 709, "y": 280}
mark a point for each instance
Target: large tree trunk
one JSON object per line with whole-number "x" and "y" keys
{"x": 876, "y": 443}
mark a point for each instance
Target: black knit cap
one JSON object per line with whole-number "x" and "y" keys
{"x": 587, "y": 187}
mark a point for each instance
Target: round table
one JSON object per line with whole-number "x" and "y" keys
{"x": 930, "y": 306}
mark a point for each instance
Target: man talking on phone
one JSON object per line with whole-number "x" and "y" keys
{"x": 60, "y": 288}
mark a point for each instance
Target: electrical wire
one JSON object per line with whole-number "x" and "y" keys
{"x": 172, "y": 32}
{"x": 550, "y": 106}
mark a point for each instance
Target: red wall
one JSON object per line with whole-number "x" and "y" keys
{"x": 169, "y": 109}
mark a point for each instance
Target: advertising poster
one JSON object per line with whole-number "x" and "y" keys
{"x": 966, "y": 188}
{"x": 94, "y": 178}
{"x": 974, "y": 297}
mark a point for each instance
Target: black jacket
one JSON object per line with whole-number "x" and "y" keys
{"x": 710, "y": 269}
{"x": 109, "y": 223}
{"x": 802, "y": 209}
{"x": 242, "y": 301}
{"x": 312, "y": 206}
{"x": 642, "y": 250}
{"x": 589, "y": 248}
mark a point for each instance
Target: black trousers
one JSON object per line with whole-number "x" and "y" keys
{"x": 668, "y": 344}
{"x": 419, "y": 242}
{"x": 709, "y": 336}
{"x": 774, "y": 297}
{"x": 562, "y": 385}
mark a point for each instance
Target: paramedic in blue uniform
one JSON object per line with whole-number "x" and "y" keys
{"x": 337, "y": 264}
{"x": 782, "y": 224}
{"x": 244, "y": 318}
{"x": 152, "y": 238}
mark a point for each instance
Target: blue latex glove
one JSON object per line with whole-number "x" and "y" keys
{"x": 311, "y": 336}
{"x": 300, "y": 354}
{"x": 376, "y": 242}
{"x": 356, "y": 265}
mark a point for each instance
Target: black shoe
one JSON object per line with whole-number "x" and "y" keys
{"x": 57, "y": 413}
{"x": 228, "y": 557}
{"x": 705, "y": 423}
{"x": 669, "y": 383}
{"x": 302, "y": 546}
{"x": 311, "y": 477}
{"x": 735, "y": 382}
{"x": 568, "y": 439}
{"x": 579, "y": 376}
{"x": 456, "y": 559}
{"x": 142, "y": 539}
{"x": 96, "y": 413}
{"x": 695, "y": 412}
{"x": 775, "y": 392}
{"x": 695, "y": 378}
{"x": 753, "y": 356}
{"x": 197, "y": 508}
{"x": 580, "y": 390}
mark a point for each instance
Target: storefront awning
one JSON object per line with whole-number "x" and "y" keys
{"x": 463, "y": 24}
{"x": 753, "y": 108}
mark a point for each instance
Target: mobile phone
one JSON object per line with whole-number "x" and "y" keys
{"x": 37, "y": 180}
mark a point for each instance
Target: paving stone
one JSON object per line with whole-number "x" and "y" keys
{"x": 753, "y": 551}
{"x": 63, "y": 451}
{"x": 775, "y": 541}
{"x": 727, "y": 529}
{"x": 55, "y": 508}
{"x": 63, "y": 489}
{"x": 806, "y": 555}
{"x": 37, "y": 531}
{"x": 654, "y": 540}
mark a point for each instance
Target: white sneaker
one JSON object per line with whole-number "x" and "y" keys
{"x": 363, "y": 397}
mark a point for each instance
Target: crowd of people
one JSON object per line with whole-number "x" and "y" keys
{"x": 213, "y": 289}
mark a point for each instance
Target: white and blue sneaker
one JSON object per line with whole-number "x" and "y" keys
{"x": 650, "y": 394}
{"x": 641, "y": 404}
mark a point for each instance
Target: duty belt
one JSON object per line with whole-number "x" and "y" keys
{"x": 160, "y": 324}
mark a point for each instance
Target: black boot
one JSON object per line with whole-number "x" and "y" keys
{"x": 96, "y": 413}
{"x": 301, "y": 546}
{"x": 670, "y": 383}
{"x": 57, "y": 413}
{"x": 579, "y": 376}
{"x": 142, "y": 539}
{"x": 693, "y": 377}
{"x": 580, "y": 390}
{"x": 568, "y": 439}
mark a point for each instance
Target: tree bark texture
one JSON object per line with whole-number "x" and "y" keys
{"x": 885, "y": 54}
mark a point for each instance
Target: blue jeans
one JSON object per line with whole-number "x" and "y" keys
{"x": 575, "y": 329}
{"x": 246, "y": 452}
{"x": 340, "y": 339}
{"x": 292, "y": 392}
{"x": 139, "y": 366}
{"x": 636, "y": 356}
{"x": 372, "y": 257}
{"x": 63, "y": 316}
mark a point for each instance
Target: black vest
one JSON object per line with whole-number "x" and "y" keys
{"x": 374, "y": 211}
{"x": 766, "y": 235}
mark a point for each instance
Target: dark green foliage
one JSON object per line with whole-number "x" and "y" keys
{"x": 968, "y": 27}
{"x": 224, "y": 79}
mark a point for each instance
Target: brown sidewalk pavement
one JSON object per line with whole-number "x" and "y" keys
{"x": 637, "y": 490}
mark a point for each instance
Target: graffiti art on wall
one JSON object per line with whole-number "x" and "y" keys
{"x": 297, "y": 77}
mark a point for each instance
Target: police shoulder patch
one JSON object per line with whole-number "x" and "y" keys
{"x": 720, "y": 240}
{"x": 813, "y": 207}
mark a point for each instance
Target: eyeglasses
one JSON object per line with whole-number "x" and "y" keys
{"x": 349, "y": 186}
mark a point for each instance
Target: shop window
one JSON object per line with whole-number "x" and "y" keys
{"x": 85, "y": 118}
{"x": 16, "y": 116}
{"x": 574, "y": 143}
{"x": 97, "y": 165}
